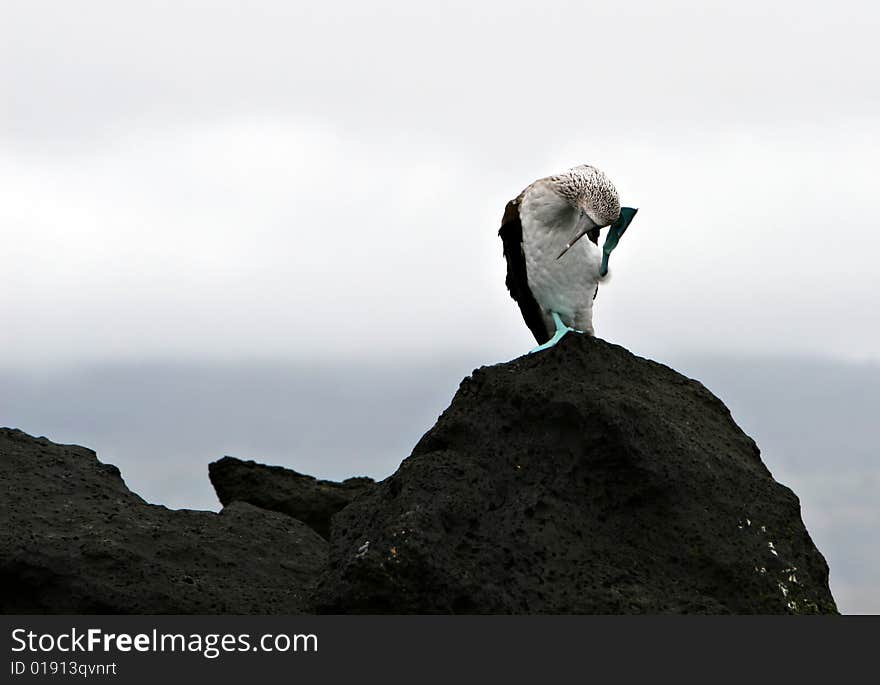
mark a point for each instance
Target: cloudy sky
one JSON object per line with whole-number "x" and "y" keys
{"x": 301, "y": 186}
{"x": 298, "y": 179}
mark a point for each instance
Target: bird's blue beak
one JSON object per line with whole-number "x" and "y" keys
{"x": 617, "y": 229}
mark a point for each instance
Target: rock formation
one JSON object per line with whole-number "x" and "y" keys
{"x": 75, "y": 539}
{"x": 580, "y": 480}
{"x": 308, "y": 499}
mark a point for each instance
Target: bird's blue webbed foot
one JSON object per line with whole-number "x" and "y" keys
{"x": 618, "y": 228}
{"x": 561, "y": 330}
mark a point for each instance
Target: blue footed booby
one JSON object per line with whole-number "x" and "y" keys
{"x": 551, "y": 273}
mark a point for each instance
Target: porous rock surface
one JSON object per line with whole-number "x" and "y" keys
{"x": 583, "y": 480}
{"x": 75, "y": 539}
{"x": 275, "y": 488}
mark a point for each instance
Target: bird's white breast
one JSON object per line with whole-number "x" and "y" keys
{"x": 566, "y": 285}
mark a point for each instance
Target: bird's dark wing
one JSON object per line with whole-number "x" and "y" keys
{"x": 517, "y": 280}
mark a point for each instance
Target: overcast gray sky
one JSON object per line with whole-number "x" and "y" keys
{"x": 285, "y": 179}
{"x": 285, "y": 184}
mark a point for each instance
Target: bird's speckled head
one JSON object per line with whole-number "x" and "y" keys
{"x": 589, "y": 189}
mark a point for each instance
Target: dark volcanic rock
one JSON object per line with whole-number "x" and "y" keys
{"x": 74, "y": 539}
{"x": 308, "y": 499}
{"x": 582, "y": 479}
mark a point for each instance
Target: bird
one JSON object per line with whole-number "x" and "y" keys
{"x": 552, "y": 274}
